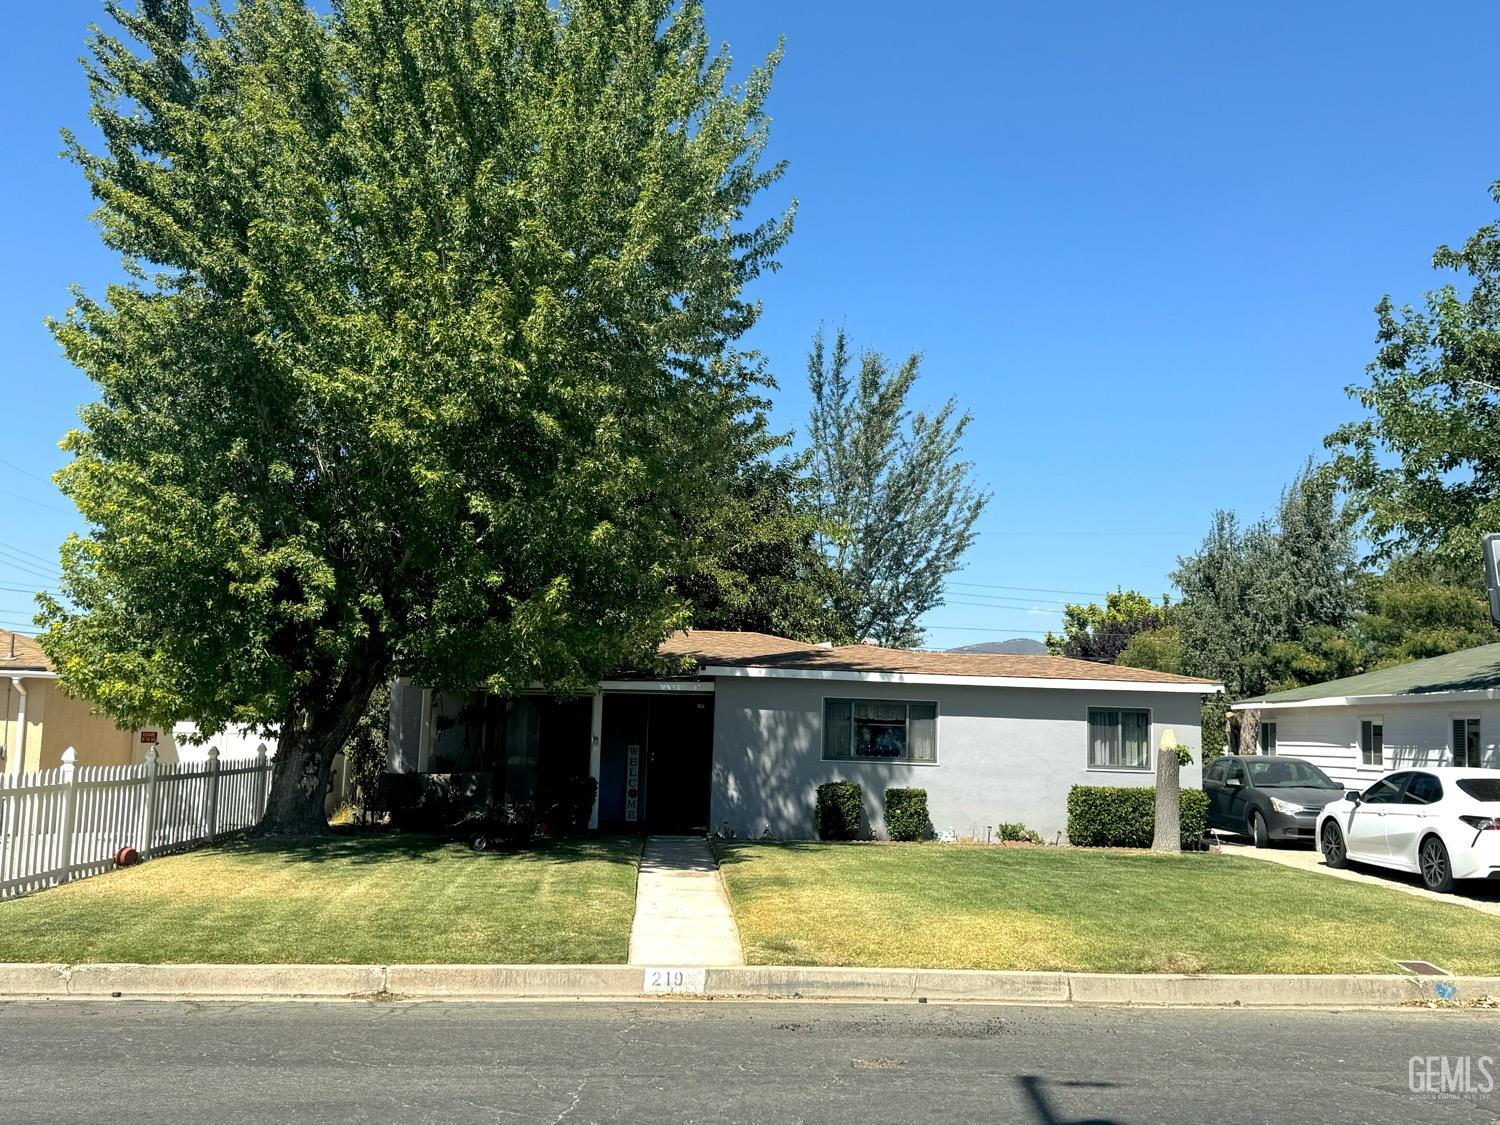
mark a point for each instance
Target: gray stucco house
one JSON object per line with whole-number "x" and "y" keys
{"x": 738, "y": 741}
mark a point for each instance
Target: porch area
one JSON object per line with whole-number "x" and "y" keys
{"x": 649, "y": 744}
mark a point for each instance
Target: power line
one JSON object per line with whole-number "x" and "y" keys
{"x": 25, "y": 471}
{"x": 38, "y": 503}
{"x": 1031, "y": 589}
{"x": 27, "y": 589}
{"x": 27, "y": 569}
{"x": 13, "y": 549}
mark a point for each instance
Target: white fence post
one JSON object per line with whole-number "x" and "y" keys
{"x": 211, "y": 793}
{"x": 148, "y": 814}
{"x": 68, "y": 813}
{"x": 262, "y": 772}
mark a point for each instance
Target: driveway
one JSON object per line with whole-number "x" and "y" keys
{"x": 1478, "y": 895}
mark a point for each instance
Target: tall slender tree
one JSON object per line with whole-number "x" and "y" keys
{"x": 896, "y": 500}
{"x": 426, "y": 361}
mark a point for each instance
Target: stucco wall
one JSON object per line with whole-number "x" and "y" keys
{"x": 1417, "y": 733}
{"x": 72, "y": 722}
{"x": 1004, "y": 754}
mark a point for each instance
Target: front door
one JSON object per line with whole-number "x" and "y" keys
{"x": 679, "y": 759}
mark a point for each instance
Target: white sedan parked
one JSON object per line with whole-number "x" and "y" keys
{"x": 1442, "y": 823}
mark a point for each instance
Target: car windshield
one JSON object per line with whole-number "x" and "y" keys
{"x": 1287, "y": 773}
{"x": 1481, "y": 788}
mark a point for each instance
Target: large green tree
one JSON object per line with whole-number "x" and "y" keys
{"x": 426, "y": 364}
{"x": 1256, "y": 598}
{"x": 896, "y": 500}
{"x": 1424, "y": 466}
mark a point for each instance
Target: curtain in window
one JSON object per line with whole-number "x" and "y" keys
{"x": 1135, "y": 739}
{"x": 837, "y": 728}
{"x": 922, "y": 732}
{"x": 1104, "y": 738}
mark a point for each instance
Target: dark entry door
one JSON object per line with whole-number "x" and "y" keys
{"x": 679, "y": 759}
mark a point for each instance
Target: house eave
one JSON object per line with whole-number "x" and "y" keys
{"x": 1477, "y": 695}
{"x": 844, "y": 675}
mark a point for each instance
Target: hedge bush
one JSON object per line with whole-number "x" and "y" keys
{"x": 906, "y": 814}
{"x": 840, "y": 804}
{"x": 1104, "y": 816}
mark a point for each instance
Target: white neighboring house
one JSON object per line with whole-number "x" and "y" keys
{"x": 1444, "y": 711}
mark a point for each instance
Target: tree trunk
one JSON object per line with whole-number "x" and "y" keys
{"x": 304, "y": 757}
{"x": 1168, "y": 834}
{"x": 1249, "y": 733}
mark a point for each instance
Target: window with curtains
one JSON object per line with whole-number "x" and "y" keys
{"x": 1119, "y": 739}
{"x": 879, "y": 730}
{"x": 1466, "y": 748}
{"x": 1371, "y": 742}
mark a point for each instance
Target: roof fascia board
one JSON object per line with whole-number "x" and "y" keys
{"x": 847, "y": 676}
{"x": 1479, "y": 694}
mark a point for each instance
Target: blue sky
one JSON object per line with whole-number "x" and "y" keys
{"x": 1139, "y": 242}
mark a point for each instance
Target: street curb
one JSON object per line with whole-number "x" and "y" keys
{"x": 630, "y": 982}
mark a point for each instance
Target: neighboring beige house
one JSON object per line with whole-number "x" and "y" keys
{"x": 41, "y": 721}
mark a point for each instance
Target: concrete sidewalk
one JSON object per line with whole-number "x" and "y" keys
{"x": 1480, "y": 896}
{"x": 682, "y": 915}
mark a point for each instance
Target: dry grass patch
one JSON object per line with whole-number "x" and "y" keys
{"x": 354, "y": 899}
{"x": 955, "y": 906}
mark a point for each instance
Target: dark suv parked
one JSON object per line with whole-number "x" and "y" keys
{"x": 1267, "y": 798}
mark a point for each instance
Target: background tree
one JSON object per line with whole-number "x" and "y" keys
{"x": 763, "y": 569}
{"x": 1258, "y": 600}
{"x": 1424, "y": 466}
{"x": 1102, "y": 632}
{"x": 426, "y": 360}
{"x": 895, "y": 500}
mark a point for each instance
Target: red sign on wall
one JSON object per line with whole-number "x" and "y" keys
{"x": 148, "y": 736}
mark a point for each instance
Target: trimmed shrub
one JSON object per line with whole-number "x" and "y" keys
{"x": 1012, "y": 831}
{"x": 1104, "y": 816}
{"x": 840, "y": 804}
{"x": 906, "y": 814}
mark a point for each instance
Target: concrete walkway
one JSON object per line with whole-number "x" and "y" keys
{"x": 682, "y": 914}
{"x": 1476, "y": 895}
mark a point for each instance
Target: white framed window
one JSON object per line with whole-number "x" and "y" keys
{"x": 1466, "y": 746}
{"x": 880, "y": 730}
{"x": 1372, "y": 741}
{"x": 1268, "y": 738}
{"x": 1119, "y": 738}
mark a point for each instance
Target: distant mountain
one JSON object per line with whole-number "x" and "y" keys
{"x": 1016, "y": 646}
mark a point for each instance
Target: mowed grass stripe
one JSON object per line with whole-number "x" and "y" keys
{"x": 357, "y": 898}
{"x": 956, "y": 906}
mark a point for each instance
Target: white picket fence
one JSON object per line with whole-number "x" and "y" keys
{"x": 70, "y": 822}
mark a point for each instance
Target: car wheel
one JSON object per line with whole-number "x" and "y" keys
{"x": 1335, "y": 855}
{"x": 1437, "y": 872}
{"x": 1258, "y": 830}
{"x": 480, "y": 842}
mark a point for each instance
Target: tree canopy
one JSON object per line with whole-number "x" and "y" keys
{"x": 426, "y": 364}
{"x": 896, "y": 502}
{"x": 1424, "y": 465}
{"x": 1102, "y": 632}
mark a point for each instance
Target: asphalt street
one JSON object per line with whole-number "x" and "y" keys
{"x": 723, "y": 1061}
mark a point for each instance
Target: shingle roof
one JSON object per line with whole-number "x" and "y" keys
{"x": 20, "y": 653}
{"x": 760, "y": 650}
{"x": 1471, "y": 669}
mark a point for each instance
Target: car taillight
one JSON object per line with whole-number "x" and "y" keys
{"x": 1482, "y": 823}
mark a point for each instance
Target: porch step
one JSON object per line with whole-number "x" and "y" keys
{"x": 682, "y": 914}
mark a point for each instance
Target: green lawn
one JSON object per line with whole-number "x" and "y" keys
{"x": 955, "y": 906}
{"x": 362, "y": 898}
